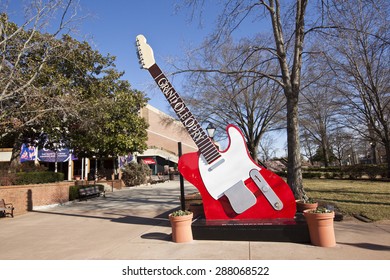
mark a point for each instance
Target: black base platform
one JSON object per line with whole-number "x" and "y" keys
{"x": 277, "y": 230}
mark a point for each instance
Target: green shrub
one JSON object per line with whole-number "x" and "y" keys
{"x": 329, "y": 175}
{"x": 27, "y": 178}
{"x": 29, "y": 166}
{"x": 354, "y": 171}
{"x": 323, "y": 169}
{"x": 135, "y": 174}
{"x": 381, "y": 170}
{"x": 311, "y": 175}
{"x": 372, "y": 171}
{"x": 339, "y": 175}
{"x": 74, "y": 192}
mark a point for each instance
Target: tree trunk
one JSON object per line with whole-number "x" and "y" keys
{"x": 15, "y": 158}
{"x": 294, "y": 169}
{"x": 291, "y": 86}
{"x": 325, "y": 152}
{"x": 387, "y": 147}
{"x": 253, "y": 149}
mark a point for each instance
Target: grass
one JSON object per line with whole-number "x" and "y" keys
{"x": 363, "y": 197}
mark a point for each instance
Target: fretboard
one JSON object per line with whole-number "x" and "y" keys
{"x": 197, "y": 133}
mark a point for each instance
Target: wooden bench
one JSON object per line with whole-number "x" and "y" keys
{"x": 92, "y": 191}
{"x": 154, "y": 179}
{"x": 6, "y": 209}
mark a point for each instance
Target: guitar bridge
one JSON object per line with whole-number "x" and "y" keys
{"x": 265, "y": 188}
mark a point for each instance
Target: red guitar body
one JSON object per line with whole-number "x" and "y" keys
{"x": 217, "y": 209}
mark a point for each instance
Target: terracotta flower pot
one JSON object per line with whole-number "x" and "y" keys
{"x": 302, "y": 206}
{"x": 181, "y": 228}
{"x": 321, "y": 228}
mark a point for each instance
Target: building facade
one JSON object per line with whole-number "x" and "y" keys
{"x": 164, "y": 135}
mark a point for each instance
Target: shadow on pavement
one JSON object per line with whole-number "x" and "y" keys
{"x": 369, "y": 246}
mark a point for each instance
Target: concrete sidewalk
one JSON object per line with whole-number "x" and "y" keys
{"x": 133, "y": 224}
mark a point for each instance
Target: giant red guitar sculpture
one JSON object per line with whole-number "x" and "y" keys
{"x": 231, "y": 184}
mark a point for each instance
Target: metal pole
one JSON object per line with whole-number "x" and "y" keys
{"x": 82, "y": 169}
{"x": 55, "y": 162}
{"x": 182, "y": 201}
{"x": 96, "y": 172}
{"x": 70, "y": 170}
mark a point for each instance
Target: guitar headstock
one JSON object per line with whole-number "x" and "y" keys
{"x": 144, "y": 52}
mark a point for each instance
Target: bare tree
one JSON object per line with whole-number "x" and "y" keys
{"x": 359, "y": 56}
{"x": 341, "y": 146}
{"x": 252, "y": 103}
{"x": 308, "y": 146}
{"x": 267, "y": 150}
{"x": 319, "y": 117}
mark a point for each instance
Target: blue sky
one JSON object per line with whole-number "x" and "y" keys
{"x": 116, "y": 23}
{"x": 112, "y": 25}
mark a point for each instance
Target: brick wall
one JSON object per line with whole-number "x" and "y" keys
{"x": 25, "y": 197}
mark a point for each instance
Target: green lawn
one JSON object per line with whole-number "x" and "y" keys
{"x": 363, "y": 197}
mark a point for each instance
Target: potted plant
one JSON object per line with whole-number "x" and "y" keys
{"x": 181, "y": 226}
{"x": 320, "y": 223}
{"x": 306, "y": 203}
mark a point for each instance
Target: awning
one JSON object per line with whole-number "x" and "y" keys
{"x": 148, "y": 160}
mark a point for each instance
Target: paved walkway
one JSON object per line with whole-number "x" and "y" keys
{"x": 132, "y": 224}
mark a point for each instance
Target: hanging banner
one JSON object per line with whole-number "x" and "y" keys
{"x": 123, "y": 160}
{"x": 27, "y": 153}
{"x": 47, "y": 155}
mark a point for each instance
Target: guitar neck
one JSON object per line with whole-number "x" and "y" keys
{"x": 202, "y": 141}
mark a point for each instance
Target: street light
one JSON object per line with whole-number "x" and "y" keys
{"x": 373, "y": 151}
{"x": 211, "y": 130}
{"x": 55, "y": 146}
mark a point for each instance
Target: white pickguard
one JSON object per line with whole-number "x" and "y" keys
{"x": 232, "y": 167}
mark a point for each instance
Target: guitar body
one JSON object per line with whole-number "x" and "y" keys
{"x": 236, "y": 166}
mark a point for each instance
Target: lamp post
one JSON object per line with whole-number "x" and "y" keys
{"x": 168, "y": 161}
{"x": 55, "y": 145}
{"x": 373, "y": 152}
{"x": 95, "y": 175}
{"x": 211, "y": 130}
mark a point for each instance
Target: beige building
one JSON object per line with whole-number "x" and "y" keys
{"x": 164, "y": 134}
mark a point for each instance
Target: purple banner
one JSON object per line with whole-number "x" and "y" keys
{"x": 123, "y": 160}
{"x": 27, "y": 153}
{"x": 50, "y": 156}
